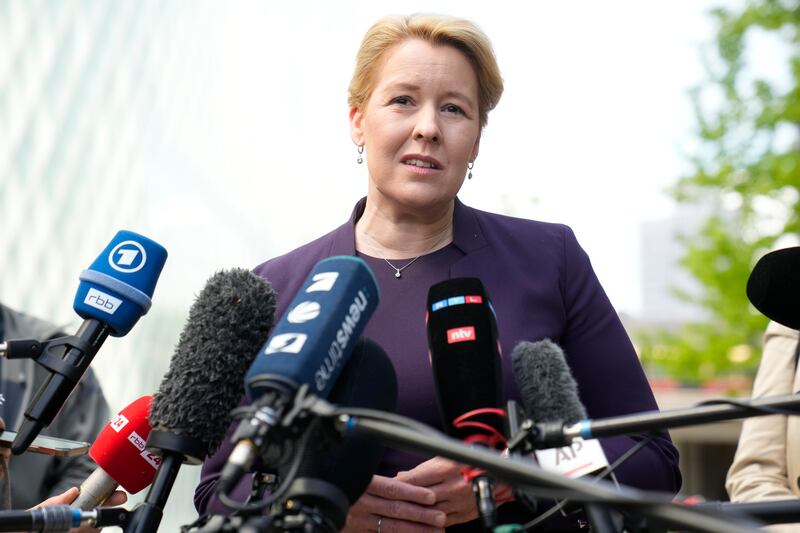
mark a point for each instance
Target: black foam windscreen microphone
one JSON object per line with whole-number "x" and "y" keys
{"x": 548, "y": 390}
{"x": 465, "y": 357}
{"x": 190, "y": 413}
{"x": 227, "y": 324}
{"x": 774, "y": 286}
{"x": 335, "y": 472}
{"x": 550, "y": 395}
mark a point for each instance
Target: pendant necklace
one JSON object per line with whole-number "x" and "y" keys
{"x": 397, "y": 271}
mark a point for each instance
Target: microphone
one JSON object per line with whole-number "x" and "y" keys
{"x": 309, "y": 346}
{"x": 465, "y": 357}
{"x": 190, "y": 412}
{"x": 114, "y": 292}
{"x": 61, "y": 518}
{"x": 548, "y": 390}
{"x": 330, "y": 480}
{"x": 121, "y": 457}
{"x": 774, "y": 284}
{"x": 550, "y": 394}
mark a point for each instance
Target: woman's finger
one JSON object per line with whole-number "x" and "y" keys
{"x": 404, "y": 511}
{"x": 394, "y": 489}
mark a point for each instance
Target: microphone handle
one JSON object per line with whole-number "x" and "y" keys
{"x": 483, "y": 488}
{"x": 95, "y": 490}
{"x": 55, "y": 518}
{"x": 61, "y": 518}
{"x": 600, "y": 518}
{"x": 147, "y": 516}
{"x": 66, "y": 372}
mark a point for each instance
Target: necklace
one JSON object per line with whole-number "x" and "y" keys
{"x": 398, "y": 270}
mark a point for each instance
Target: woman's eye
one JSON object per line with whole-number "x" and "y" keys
{"x": 402, "y": 100}
{"x": 452, "y": 108}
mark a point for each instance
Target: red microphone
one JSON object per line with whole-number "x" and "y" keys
{"x": 121, "y": 457}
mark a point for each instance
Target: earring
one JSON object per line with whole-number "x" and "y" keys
{"x": 469, "y": 166}
{"x": 360, "y": 151}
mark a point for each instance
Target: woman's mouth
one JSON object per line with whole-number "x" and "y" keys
{"x": 420, "y": 163}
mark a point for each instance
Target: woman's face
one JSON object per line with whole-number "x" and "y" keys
{"x": 420, "y": 126}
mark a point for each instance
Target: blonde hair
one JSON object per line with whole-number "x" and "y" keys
{"x": 461, "y": 34}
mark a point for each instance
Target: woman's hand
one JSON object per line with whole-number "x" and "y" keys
{"x": 393, "y": 506}
{"x": 454, "y": 494}
{"x": 67, "y": 497}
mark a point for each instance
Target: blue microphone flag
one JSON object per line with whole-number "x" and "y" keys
{"x": 315, "y": 337}
{"x": 118, "y": 286}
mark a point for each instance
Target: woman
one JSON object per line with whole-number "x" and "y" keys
{"x": 767, "y": 461}
{"x": 419, "y": 99}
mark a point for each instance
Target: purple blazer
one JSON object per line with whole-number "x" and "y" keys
{"x": 541, "y": 284}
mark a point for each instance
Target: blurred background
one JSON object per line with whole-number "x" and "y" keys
{"x": 665, "y": 135}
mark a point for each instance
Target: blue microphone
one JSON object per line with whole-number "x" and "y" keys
{"x": 309, "y": 346}
{"x": 113, "y": 293}
{"x": 116, "y": 289}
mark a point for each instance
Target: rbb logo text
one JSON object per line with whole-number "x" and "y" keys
{"x": 102, "y": 301}
{"x": 137, "y": 440}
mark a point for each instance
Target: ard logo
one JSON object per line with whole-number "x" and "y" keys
{"x": 127, "y": 257}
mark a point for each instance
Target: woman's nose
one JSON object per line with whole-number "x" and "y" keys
{"x": 427, "y": 126}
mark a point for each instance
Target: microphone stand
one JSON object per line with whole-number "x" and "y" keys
{"x": 175, "y": 449}
{"x": 67, "y": 359}
{"x": 769, "y": 512}
{"x": 62, "y": 518}
{"x": 601, "y": 519}
{"x": 554, "y": 434}
{"x": 515, "y": 471}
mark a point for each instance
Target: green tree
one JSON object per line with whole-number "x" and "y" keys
{"x": 747, "y": 169}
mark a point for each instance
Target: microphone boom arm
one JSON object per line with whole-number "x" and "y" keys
{"x": 519, "y": 472}
{"x": 550, "y": 435}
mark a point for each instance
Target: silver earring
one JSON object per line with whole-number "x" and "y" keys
{"x": 360, "y": 151}
{"x": 469, "y": 166}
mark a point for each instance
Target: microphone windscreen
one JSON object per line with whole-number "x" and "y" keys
{"x": 116, "y": 289}
{"x": 120, "y": 451}
{"x": 548, "y": 390}
{"x": 368, "y": 380}
{"x": 465, "y": 354}
{"x": 227, "y": 323}
{"x": 774, "y": 286}
{"x": 314, "y": 339}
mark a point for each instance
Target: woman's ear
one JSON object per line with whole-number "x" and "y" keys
{"x": 357, "y": 126}
{"x": 475, "y": 149}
